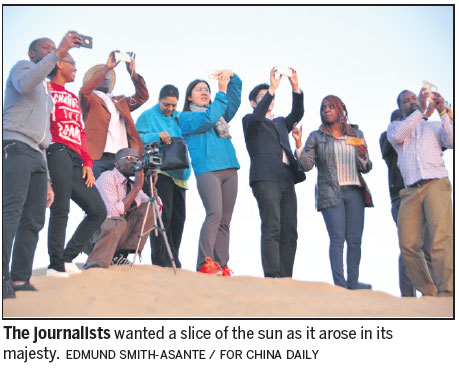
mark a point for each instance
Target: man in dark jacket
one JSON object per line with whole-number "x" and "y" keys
{"x": 273, "y": 173}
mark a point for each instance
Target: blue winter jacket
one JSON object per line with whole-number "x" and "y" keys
{"x": 151, "y": 123}
{"x": 208, "y": 151}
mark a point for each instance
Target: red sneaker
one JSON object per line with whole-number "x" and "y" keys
{"x": 227, "y": 272}
{"x": 211, "y": 267}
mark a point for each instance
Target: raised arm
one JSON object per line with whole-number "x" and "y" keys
{"x": 297, "y": 112}
{"x": 307, "y": 156}
{"x": 199, "y": 122}
{"x": 26, "y": 75}
{"x": 233, "y": 94}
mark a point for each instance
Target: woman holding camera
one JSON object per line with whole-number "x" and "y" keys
{"x": 70, "y": 169}
{"x": 339, "y": 152}
{"x": 205, "y": 127}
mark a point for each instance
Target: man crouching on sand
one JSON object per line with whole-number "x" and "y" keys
{"x": 126, "y": 207}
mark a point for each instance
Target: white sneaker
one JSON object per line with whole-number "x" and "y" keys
{"x": 54, "y": 273}
{"x": 71, "y": 268}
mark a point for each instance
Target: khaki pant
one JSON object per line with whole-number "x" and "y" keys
{"x": 429, "y": 205}
{"x": 120, "y": 233}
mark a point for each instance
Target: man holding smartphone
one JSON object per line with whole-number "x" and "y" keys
{"x": 26, "y": 135}
{"x": 108, "y": 122}
{"x": 273, "y": 173}
{"x": 426, "y": 199}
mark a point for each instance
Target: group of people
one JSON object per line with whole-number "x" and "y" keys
{"x": 50, "y": 157}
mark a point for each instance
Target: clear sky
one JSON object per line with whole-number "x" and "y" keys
{"x": 364, "y": 54}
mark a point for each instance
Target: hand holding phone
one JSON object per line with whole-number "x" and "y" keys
{"x": 429, "y": 87}
{"x": 213, "y": 74}
{"x": 286, "y": 71}
{"x": 86, "y": 41}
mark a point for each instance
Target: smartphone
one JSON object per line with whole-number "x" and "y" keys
{"x": 429, "y": 87}
{"x": 122, "y": 57}
{"x": 213, "y": 74}
{"x": 87, "y": 41}
{"x": 286, "y": 71}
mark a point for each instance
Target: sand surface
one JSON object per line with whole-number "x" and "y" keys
{"x": 152, "y": 291}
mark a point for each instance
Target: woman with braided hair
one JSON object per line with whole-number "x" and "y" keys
{"x": 339, "y": 152}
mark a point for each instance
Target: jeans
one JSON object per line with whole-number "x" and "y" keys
{"x": 278, "y": 212}
{"x": 105, "y": 163}
{"x": 345, "y": 224}
{"x": 65, "y": 169}
{"x": 24, "y": 207}
{"x": 173, "y": 216}
{"x": 218, "y": 191}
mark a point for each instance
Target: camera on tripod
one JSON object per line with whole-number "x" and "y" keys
{"x": 151, "y": 159}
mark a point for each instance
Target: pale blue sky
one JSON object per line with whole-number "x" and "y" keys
{"x": 365, "y": 55}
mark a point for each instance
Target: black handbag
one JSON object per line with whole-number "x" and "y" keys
{"x": 175, "y": 155}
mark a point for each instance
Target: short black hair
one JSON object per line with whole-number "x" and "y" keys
{"x": 396, "y": 115}
{"x": 33, "y": 45}
{"x": 399, "y": 97}
{"x": 256, "y": 90}
{"x": 186, "y": 105}
{"x": 122, "y": 152}
{"x": 168, "y": 90}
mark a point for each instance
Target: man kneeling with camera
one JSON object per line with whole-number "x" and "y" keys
{"x": 126, "y": 209}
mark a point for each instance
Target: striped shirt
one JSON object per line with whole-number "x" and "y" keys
{"x": 345, "y": 163}
{"x": 112, "y": 186}
{"x": 418, "y": 144}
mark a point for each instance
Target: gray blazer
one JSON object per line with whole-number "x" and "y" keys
{"x": 319, "y": 151}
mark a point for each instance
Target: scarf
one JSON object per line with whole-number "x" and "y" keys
{"x": 221, "y": 127}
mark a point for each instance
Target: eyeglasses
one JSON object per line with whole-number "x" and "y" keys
{"x": 67, "y": 61}
{"x": 202, "y": 89}
{"x": 131, "y": 158}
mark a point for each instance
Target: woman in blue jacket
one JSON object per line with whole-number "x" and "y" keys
{"x": 205, "y": 127}
{"x": 340, "y": 154}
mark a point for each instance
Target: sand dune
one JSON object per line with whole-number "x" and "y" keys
{"x": 151, "y": 291}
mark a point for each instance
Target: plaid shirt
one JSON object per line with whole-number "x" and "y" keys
{"x": 418, "y": 144}
{"x": 112, "y": 188}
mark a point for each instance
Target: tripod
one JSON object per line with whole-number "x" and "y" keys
{"x": 153, "y": 202}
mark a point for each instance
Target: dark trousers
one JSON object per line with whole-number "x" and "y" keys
{"x": 65, "y": 169}
{"x": 278, "y": 212}
{"x": 24, "y": 207}
{"x": 105, "y": 163}
{"x": 173, "y": 216}
{"x": 345, "y": 224}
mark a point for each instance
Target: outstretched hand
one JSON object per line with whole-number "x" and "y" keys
{"x": 274, "y": 81}
{"x": 71, "y": 40}
{"x": 294, "y": 80}
{"x": 297, "y": 134}
{"x": 130, "y": 66}
{"x": 111, "y": 62}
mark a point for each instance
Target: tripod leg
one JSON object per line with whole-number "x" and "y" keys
{"x": 163, "y": 233}
{"x": 141, "y": 232}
